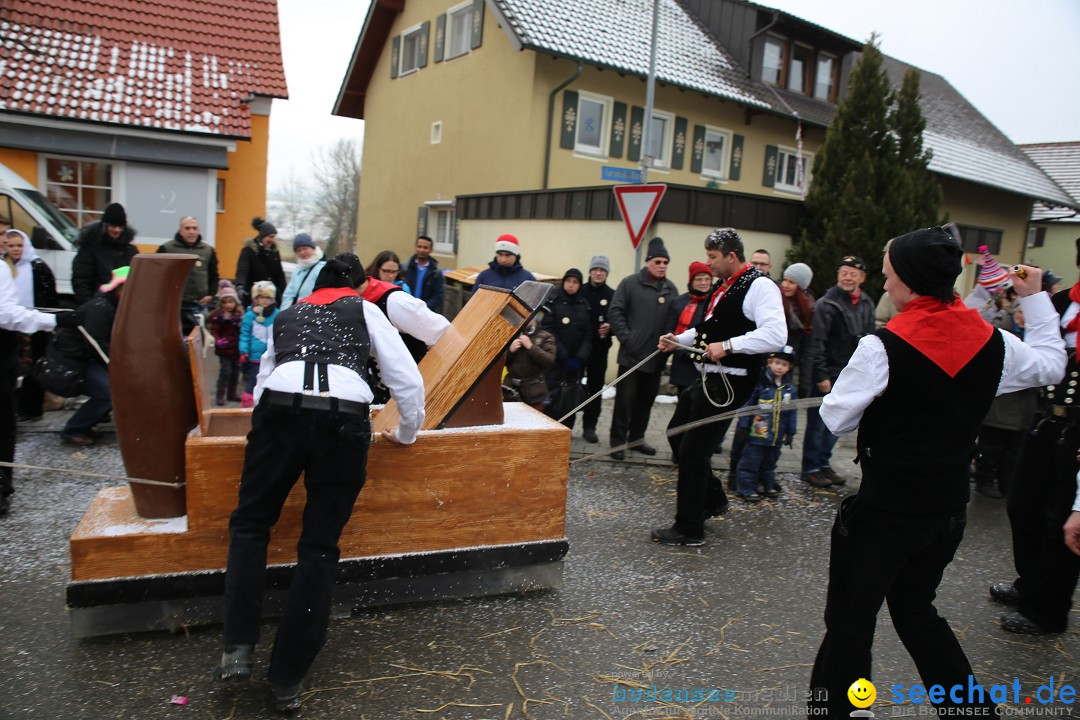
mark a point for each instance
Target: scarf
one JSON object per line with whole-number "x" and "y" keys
{"x": 687, "y": 316}
{"x": 799, "y": 306}
{"x": 949, "y": 335}
{"x": 1074, "y": 295}
{"x": 316, "y": 257}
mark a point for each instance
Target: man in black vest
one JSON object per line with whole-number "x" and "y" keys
{"x": 743, "y": 320}
{"x": 599, "y": 295}
{"x": 917, "y": 390}
{"x": 1041, "y": 498}
{"x": 311, "y": 416}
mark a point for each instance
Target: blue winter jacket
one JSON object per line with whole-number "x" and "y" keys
{"x": 503, "y": 277}
{"x": 769, "y": 427}
{"x": 254, "y": 334}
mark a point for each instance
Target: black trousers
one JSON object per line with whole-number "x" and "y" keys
{"x": 634, "y": 397}
{"x": 1039, "y": 501}
{"x": 331, "y": 450}
{"x": 595, "y": 370}
{"x": 31, "y": 396}
{"x": 9, "y": 366}
{"x": 878, "y": 556}
{"x": 699, "y": 491}
{"x": 999, "y": 450}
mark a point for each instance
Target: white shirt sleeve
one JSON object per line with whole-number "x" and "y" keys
{"x": 1040, "y": 358}
{"x": 865, "y": 378}
{"x": 14, "y": 316}
{"x": 764, "y": 305}
{"x": 398, "y": 372}
{"x": 412, "y": 316}
{"x": 1076, "y": 502}
{"x": 267, "y": 364}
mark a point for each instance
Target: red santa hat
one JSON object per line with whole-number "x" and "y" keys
{"x": 508, "y": 243}
{"x": 991, "y": 274}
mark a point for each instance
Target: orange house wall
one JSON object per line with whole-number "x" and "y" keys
{"x": 23, "y": 162}
{"x": 245, "y": 194}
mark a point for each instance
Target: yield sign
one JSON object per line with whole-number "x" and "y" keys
{"x": 638, "y": 204}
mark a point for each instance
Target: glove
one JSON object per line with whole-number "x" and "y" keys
{"x": 789, "y": 439}
{"x": 571, "y": 364}
{"x": 67, "y": 320}
{"x": 243, "y": 358}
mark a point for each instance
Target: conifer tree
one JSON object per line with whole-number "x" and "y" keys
{"x": 870, "y": 180}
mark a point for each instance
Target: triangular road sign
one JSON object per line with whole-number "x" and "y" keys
{"x": 638, "y": 204}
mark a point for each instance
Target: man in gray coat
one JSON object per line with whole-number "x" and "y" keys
{"x": 638, "y": 316}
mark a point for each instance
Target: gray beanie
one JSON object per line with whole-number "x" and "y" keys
{"x": 600, "y": 261}
{"x": 800, "y": 274}
{"x": 302, "y": 240}
{"x": 263, "y": 228}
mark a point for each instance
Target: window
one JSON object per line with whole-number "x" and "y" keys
{"x": 714, "y": 159}
{"x": 972, "y": 237}
{"x": 659, "y": 140}
{"x": 773, "y": 62}
{"x": 594, "y": 112}
{"x": 436, "y": 132}
{"x": 791, "y": 175}
{"x": 825, "y": 78}
{"x": 799, "y": 71}
{"x": 1036, "y": 237}
{"x": 80, "y": 188}
{"x": 443, "y": 235}
{"x": 220, "y": 195}
{"x": 459, "y": 35}
{"x": 410, "y": 50}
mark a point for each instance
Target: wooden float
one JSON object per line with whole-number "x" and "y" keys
{"x": 475, "y": 507}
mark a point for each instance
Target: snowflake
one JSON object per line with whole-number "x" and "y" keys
{"x": 699, "y": 148}
{"x": 570, "y": 118}
{"x": 680, "y": 143}
{"x": 620, "y": 128}
{"x": 66, "y": 173}
{"x": 635, "y": 133}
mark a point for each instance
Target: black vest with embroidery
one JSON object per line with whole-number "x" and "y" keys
{"x": 917, "y": 439}
{"x": 1065, "y": 394}
{"x": 728, "y": 321}
{"x": 334, "y": 334}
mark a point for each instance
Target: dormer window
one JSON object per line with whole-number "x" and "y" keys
{"x": 799, "y": 70}
{"x": 773, "y": 66}
{"x": 825, "y": 77}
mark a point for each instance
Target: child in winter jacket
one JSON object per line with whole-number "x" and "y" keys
{"x": 255, "y": 331}
{"x": 767, "y": 430}
{"x": 225, "y": 327}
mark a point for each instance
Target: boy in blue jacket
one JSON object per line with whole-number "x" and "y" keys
{"x": 766, "y": 430}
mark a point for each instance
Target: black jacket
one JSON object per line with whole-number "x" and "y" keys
{"x": 838, "y": 327}
{"x": 97, "y": 257}
{"x": 256, "y": 263}
{"x": 599, "y": 299}
{"x": 97, "y": 316}
{"x": 434, "y": 283}
{"x": 683, "y": 372}
{"x": 567, "y": 317}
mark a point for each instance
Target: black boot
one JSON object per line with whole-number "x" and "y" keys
{"x": 235, "y": 663}
{"x": 287, "y": 697}
{"x": 232, "y": 396}
{"x": 219, "y": 400}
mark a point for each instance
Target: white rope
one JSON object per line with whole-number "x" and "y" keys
{"x": 611, "y": 384}
{"x": 140, "y": 481}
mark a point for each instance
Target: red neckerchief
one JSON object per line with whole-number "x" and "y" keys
{"x": 854, "y": 297}
{"x": 325, "y": 296}
{"x": 376, "y": 289}
{"x": 949, "y": 335}
{"x": 723, "y": 289}
{"x": 1074, "y": 295}
{"x": 688, "y": 313}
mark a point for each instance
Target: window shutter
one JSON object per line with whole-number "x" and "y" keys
{"x": 477, "y": 23}
{"x": 618, "y": 130}
{"x": 395, "y": 56}
{"x": 679, "y": 152}
{"x": 735, "y": 163}
{"x": 697, "y": 151}
{"x": 440, "y": 36}
{"x": 422, "y": 45}
{"x": 569, "y": 120}
{"x": 637, "y": 130}
{"x": 421, "y": 221}
{"x": 769, "y": 180}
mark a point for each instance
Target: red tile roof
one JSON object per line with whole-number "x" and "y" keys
{"x": 185, "y": 65}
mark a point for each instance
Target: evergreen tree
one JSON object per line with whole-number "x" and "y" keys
{"x": 870, "y": 178}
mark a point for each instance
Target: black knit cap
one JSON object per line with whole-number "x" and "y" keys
{"x": 344, "y": 270}
{"x": 656, "y": 249}
{"x": 115, "y": 215}
{"x": 263, "y": 227}
{"x": 573, "y": 273}
{"x": 927, "y": 261}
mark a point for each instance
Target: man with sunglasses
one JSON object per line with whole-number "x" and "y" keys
{"x": 744, "y": 320}
{"x": 638, "y": 316}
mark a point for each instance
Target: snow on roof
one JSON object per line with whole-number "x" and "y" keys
{"x": 190, "y": 65}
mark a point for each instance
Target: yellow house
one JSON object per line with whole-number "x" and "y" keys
{"x": 162, "y": 108}
{"x": 492, "y": 116}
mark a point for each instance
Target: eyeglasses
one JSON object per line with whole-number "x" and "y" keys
{"x": 658, "y": 261}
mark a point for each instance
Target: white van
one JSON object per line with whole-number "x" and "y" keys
{"x": 50, "y": 231}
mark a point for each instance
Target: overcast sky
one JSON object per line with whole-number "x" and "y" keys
{"x": 1015, "y": 60}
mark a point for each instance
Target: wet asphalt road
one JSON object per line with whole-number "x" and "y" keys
{"x": 743, "y": 612}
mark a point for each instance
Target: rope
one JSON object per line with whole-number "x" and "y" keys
{"x": 745, "y": 410}
{"x": 139, "y": 481}
{"x": 611, "y": 384}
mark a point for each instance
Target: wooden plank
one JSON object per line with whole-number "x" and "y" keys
{"x": 203, "y": 404}
{"x": 474, "y": 487}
